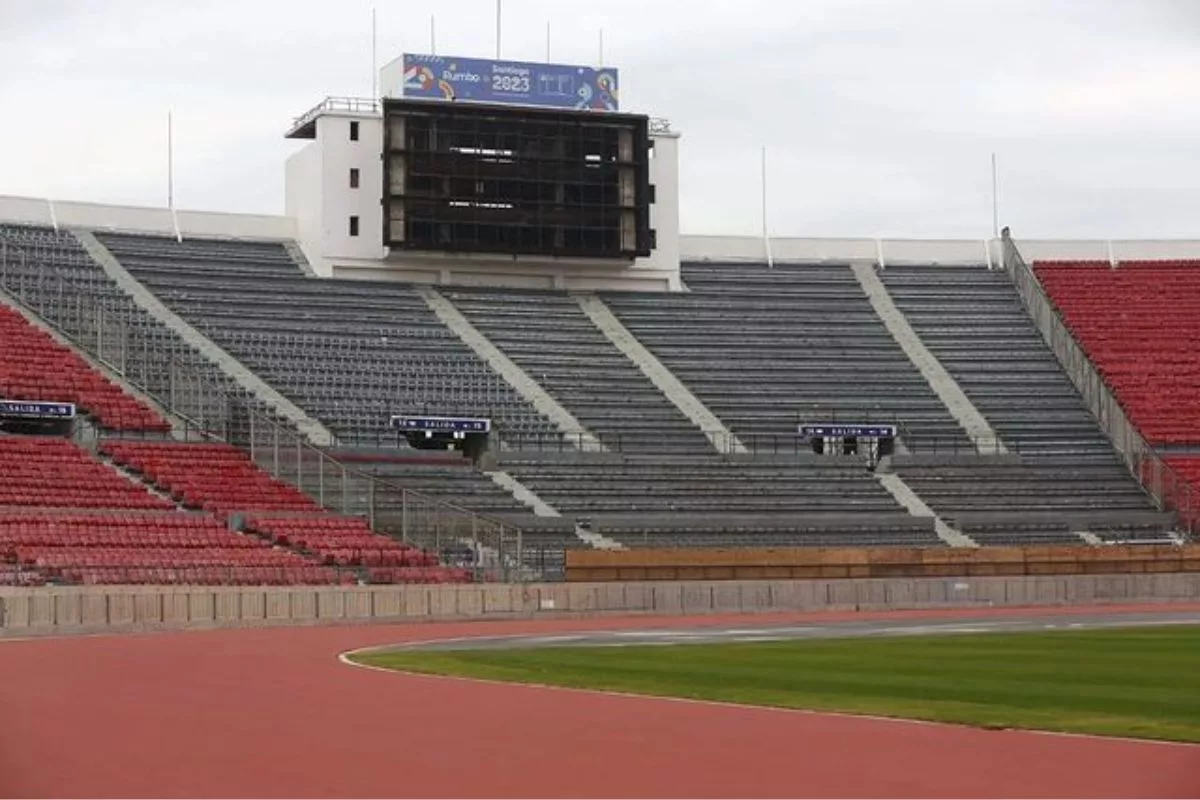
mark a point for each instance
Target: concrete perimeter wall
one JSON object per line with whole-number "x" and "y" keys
{"x": 80, "y": 609}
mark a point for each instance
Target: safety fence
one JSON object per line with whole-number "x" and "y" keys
{"x": 65, "y": 289}
{"x": 1170, "y": 491}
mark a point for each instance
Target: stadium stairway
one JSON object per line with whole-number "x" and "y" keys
{"x": 219, "y": 479}
{"x": 516, "y": 377}
{"x": 53, "y": 276}
{"x": 940, "y": 381}
{"x": 558, "y": 345}
{"x": 771, "y": 344}
{"x": 721, "y": 438}
{"x": 311, "y": 428}
{"x": 349, "y": 352}
{"x": 1063, "y": 475}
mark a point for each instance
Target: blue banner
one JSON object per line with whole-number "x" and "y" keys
{"x": 30, "y": 408}
{"x": 510, "y": 82}
{"x": 442, "y": 424}
{"x": 838, "y": 431}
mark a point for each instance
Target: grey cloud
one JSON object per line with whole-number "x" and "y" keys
{"x": 879, "y": 116}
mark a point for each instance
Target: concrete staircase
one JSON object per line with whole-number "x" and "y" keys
{"x": 986, "y": 440}
{"x": 309, "y": 427}
{"x": 909, "y": 499}
{"x": 502, "y": 365}
{"x": 522, "y": 493}
{"x": 722, "y": 439}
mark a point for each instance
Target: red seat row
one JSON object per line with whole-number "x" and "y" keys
{"x": 215, "y": 477}
{"x": 155, "y": 557}
{"x": 420, "y": 575}
{"x": 344, "y": 541}
{"x": 210, "y": 576}
{"x": 33, "y": 366}
{"x": 56, "y": 473}
{"x": 1140, "y": 325}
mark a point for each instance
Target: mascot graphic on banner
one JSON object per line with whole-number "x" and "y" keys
{"x": 419, "y": 78}
{"x": 601, "y": 97}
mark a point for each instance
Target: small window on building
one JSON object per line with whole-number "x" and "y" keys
{"x": 354, "y": 226}
{"x": 354, "y": 177}
{"x": 354, "y": 131}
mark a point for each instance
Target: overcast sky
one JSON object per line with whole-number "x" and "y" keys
{"x": 879, "y": 117}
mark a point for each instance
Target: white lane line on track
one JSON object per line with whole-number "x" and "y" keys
{"x": 553, "y": 639}
{"x": 347, "y": 659}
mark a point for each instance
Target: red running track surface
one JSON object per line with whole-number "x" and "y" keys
{"x": 273, "y": 713}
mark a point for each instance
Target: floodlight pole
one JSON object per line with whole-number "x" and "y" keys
{"x": 374, "y": 60}
{"x": 497, "y": 30}
{"x": 765, "y": 235}
{"x": 601, "y": 63}
{"x": 170, "y": 162}
{"x": 995, "y": 202}
{"x": 547, "y": 41}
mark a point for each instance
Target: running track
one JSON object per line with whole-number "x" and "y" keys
{"x": 273, "y": 713}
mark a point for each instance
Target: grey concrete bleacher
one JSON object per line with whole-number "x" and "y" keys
{"x": 549, "y": 336}
{"x": 63, "y": 284}
{"x": 1025, "y": 500}
{"x": 351, "y": 353}
{"x": 696, "y": 500}
{"x": 1067, "y": 476}
{"x": 766, "y": 349}
{"x": 973, "y": 321}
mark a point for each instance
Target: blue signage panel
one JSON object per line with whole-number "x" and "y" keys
{"x": 510, "y": 82}
{"x": 441, "y": 424}
{"x": 839, "y": 430}
{"x": 39, "y": 410}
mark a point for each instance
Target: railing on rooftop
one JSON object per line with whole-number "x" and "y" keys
{"x": 116, "y": 335}
{"x": 1169, "y": 490}
{"x": 335, "y": 105}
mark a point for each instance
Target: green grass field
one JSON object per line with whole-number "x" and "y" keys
{"x": 1141, "y": 682}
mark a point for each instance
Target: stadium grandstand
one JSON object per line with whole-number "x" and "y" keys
{"x": 502, "y": 377}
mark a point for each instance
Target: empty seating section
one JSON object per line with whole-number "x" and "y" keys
{"x": 221, "y": 479}
{"x": 766, "y": 349}
{"x": 745, "y": 502}
{"x": 53, "y": 273}
{"x": 1067, "y": 475}
{"x": 1040, "y": 500}
{"x": 549, "y": 336}
{"x": 350, "y": 542}
{"x": 1140, "y": 325}
{"x": 215, "y": 477}
{"x": 351, "y": 353}
{"x": 33, "y": 366}
{"x": 148, "y": 547}
{"x": 55, "y": 473}
{"x": 973, "y": 321}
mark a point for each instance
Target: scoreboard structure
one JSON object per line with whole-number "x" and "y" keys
{"x": 496, "y": 173}
{"x": 473, "y": 177}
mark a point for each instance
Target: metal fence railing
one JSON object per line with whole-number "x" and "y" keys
{"x": 110, "y": 329}
{"x": 1168, "y": 489}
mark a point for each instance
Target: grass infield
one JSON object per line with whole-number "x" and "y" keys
{"x": 1138, "y": 682}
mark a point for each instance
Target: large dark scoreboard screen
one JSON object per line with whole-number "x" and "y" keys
{"x": 481, "y": 178}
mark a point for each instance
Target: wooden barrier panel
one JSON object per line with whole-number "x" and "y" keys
{"x": 597, "y": 566}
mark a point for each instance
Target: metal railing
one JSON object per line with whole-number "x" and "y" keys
{"x": 1169, "y": 490}
{"x": 115, "y": 334}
